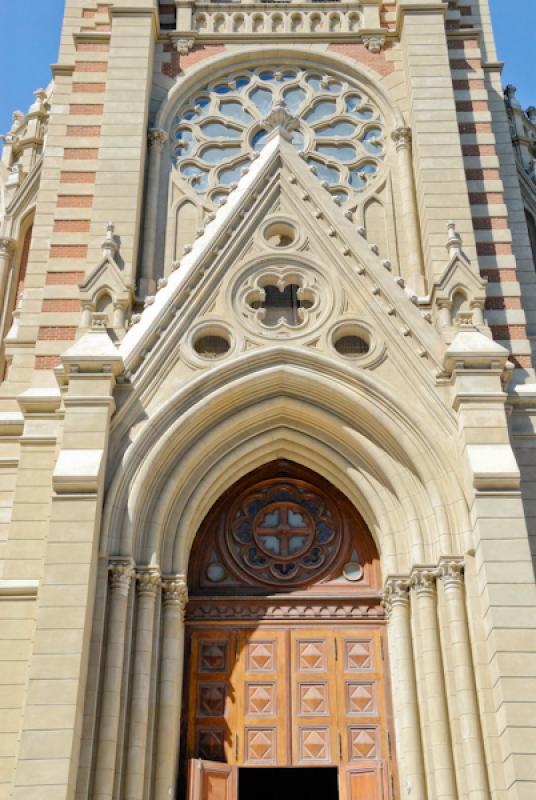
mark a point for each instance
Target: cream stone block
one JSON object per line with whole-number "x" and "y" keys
{"x": 50, "y": 642}
{"x": 41, "y": 772}
{"x": 61, "y": 578}
{"x": 41, "y": 745}
{"x": 492, "y": 465}
{"x": 54, "y": 667}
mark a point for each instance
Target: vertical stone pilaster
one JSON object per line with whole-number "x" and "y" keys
{"x": 7, "y": 246}
{"x": 474, "y": 761}
{"x": 411, "y": 265}
{"x": 50, "y": 738}
{"x": 147, "y": 587}
{"x": 434, "y": 694}
{"x": 175, "y": 596}
{"x": 502, "y": 561}
{"x": 121, "y": 163}
{"x": 121, "y": 574}
{"x": 157, "y": 140}
{"x": 440, "y": 180}
{"x": 407, "y": 718}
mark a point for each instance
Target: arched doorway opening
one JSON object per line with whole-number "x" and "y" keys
{"x": 286, "y": 659}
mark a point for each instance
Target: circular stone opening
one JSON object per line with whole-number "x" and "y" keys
{"x": 350, "y": 345}
{"x": 279, "y": 234}
{"x": 212, "y": 346}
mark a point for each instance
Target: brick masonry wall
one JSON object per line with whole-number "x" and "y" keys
{"x": 493, "y": 236}
{"x": 358, "y": 52}
{"x": 74, "y": 202}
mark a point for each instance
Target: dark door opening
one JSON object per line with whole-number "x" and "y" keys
{"x": 287, "y": 783}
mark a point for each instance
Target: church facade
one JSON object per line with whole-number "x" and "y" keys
{"x": 268, "y": 408}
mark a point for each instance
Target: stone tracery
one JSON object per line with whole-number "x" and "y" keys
{"x": 338, "y": 130}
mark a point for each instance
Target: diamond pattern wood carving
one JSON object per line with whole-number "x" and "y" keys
{"x": 315, "y": 744}
{"x": 260, "y": 745}
{"x": 312, "y": 656}
{"x": 213, "y": 657}
{"x": 313, "y": 698}
{"x": 211, "y": 700}
{"x": 210, "y": 744}
{"x": 300, "y": 696}
{"x": 361, "y": 698}
{"x": 363, "y": 743}
{"x": 359, "y": 655}
{"x": 260, "y": 699}
{"x": 261, "y": 657}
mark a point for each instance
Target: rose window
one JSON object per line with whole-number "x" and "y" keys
{"x": 339, "y": 131}
{"x": 282, "y": 532}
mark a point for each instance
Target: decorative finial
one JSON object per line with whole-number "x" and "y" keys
{"x": 109, "y": 244}
{"x": 281, "y": 121}
{"x": 454, "y": 241}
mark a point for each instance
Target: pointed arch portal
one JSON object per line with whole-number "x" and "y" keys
{"x": 286, "y": 660}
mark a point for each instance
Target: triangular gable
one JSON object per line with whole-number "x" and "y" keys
{"x": 386, "y": 291}
{"x": 105, "y": 275}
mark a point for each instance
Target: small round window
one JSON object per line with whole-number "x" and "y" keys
{"x": 279, "y": 234}
{"x": 212, "y": 346}
{"x": 351, "y": 345}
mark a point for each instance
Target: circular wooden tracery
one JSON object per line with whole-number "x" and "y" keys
{"x": 283, "y": 529}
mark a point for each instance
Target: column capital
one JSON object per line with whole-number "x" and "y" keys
{"x": 7, "y": 245}
{"x": 148, "y": 581}
{"x": 402, "y": 137}
{"x": 395, "y": 594}
{"x": 157, "y": 138}
{"x": 423, "y": 580}
{"x": 121, "y": 574}
{"x": 452, "y": 570}
{"x": 175, "y": 592}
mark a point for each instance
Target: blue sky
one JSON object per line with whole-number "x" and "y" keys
{"x": 34, "y": 28}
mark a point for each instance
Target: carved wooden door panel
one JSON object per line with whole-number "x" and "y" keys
{"x": 301, "y": 696}
{"x": 315, "y": 739}
{"x": 263, "y": 736}
{"x": 212, "y": 699}
{"x": 362, "y": 723}
{"x": 211, "y": 780}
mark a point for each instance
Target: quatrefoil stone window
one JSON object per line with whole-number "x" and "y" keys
{"x": 281, "y": 302}
{"x": 338, "y": 130}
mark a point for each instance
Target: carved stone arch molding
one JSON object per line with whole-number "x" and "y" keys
{"x": 300, "y": 406}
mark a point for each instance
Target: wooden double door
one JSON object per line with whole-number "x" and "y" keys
{"x": 301, "y": 696}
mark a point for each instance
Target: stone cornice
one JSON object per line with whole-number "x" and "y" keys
{"x": 18, "y": 589}
{"x": 62, "y": 70}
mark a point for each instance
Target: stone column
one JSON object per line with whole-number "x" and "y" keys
{"x": 6, "y": 249}
{"x": 156, "y": 142}
{"x": 147, "y": 586}
{"x": 407, "y": 722}
{"x": 462, "y": 668}
{"x": 121, "y": 573}
{"x": 433, "y": 690}
{"x": 411, "y": 266}
{"x": 175, "y": 596}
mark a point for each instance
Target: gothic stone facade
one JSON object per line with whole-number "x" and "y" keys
{"x": 240, "y": 232}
